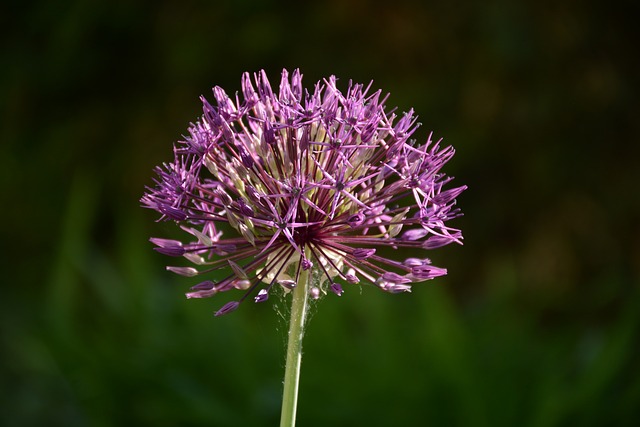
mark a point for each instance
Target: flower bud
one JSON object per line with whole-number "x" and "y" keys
{"x": 262, "y": 296}
{"x": 426, "y": 272}
{"x": 435, "y": 242}
{"x": 183, "y": 271}
{"x": 363, "y": 253}
{"x": 336, "y": 289}
{"x": 204, "y": 293}
{"x": 390, "y": 276}
{"x": 351, "y": 276}
{"x": 415, "y": 234}
{"x": 315, "y": 292}
{"x": 227, "y": 308}
{"x": 356, "y": 220}
{"x": 287, "y": 284}
{"x": 306, "y": 264}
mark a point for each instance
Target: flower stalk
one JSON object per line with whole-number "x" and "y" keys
{"x": 299, "y": 306}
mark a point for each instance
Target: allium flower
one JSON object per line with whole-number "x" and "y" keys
{"x": 276, "y": 183}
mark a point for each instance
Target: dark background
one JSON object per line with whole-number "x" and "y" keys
{"x": 537, "y": 323}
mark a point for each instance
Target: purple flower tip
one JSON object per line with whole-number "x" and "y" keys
{"x": 173, "y": 213}
{"x": 287, "y": 284}
{"x": 413, "y": 262}
{"x": 395, "y": 278}
{"x": 174, "y": 251}
{"x": 165, "y": 243}
{"x": 448, "y": 196}
{"x": 183, "y": 271}
{"x": 416, "y": 234}
{"x": 426, "y": 272}
{"x": 336, "y": 289}
{"x": 351, "y": 277}
{"x": 361, "y": 254}
{"x": 227, "y": 308}
{"x": 262, "y": 296}
{"x": 203, "y": 293}
{"x": 202, "y": 286}
{"x": 306, "y": 264}
{"x": 315, "y": 292}
{"x": 168, "y": 247}
{"x": 355, "y": 220}
{"x": 435, "y": 242}
{"x": 395, "y": 288}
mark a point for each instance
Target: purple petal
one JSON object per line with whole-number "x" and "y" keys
{"x": 202, "y": 286}
{"x": 426, "y": 272}
{"x": 356, "y": 220}
{"x": 392, "y": 277}
{"x": 314, "y": 292}
{"x": 183, "y": 271}
{"x": 287, "y": 284}
{"x": 165, "y": 243}
{"x": 435, "y": 242}
{"x": 352, "y": 278}
{"x": 173, "y": 213}
{"x": 246, "y": 158}
{"x": 413, "y": 262}
{"x": 306, "y": 264}
{"x": 447, "y": 196}
{"x": 262, "y": 296}
{"x": 394, "y": 288}
{"x": 363, "y": 253}
{"x": 415, "y": 234}
{"x": 244, "y": 208}
{"x": 205, "y": 293}
{"x": 174, "y": 251}
{"x": 227, "y": 308}
{"x": 336, "y": 289}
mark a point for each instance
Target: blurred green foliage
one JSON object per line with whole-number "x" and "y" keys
{"x": 537, "y": 323}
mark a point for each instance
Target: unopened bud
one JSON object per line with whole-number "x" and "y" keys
{"x": 336, "y": 289}
{"x": 435, "y": 242}
{"x": 183, "y": 271}
{"x": 205, "y": 293}
{"x": 173, "y": 213}
{"x": 246, "y": 158}
{"x": 416, "y": 234}
{"x": 426, "y": 272}
{"x": 363, "y": 253}
{"x": 448, "y": 196}
{"x": 262, "y": 296}
{"x": 351, "y": 276}
{"x": 314, "y": 292}
{"x": 245, "y": 209}
{"x": 355, "y": 220}
{"x": 206, "y": 285}
{"x": 242, "y": 284}
{"x": 174, "y": 251}
{"x": 395, "y": 288}
{"x": 395, "y": 278}
{"x": 287, "y": 284}
{"x": 306, "y": 264}
{"x": 227, "y": 308}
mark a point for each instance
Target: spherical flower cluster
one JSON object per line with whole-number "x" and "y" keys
{"x": 277, "y": 183}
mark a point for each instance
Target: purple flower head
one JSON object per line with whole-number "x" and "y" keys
{"x": 298, "y": 180}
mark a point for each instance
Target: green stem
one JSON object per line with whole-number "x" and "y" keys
{"x": 294, "y": 350}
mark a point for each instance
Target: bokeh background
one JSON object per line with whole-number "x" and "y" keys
{"x": 537, "y": 323}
